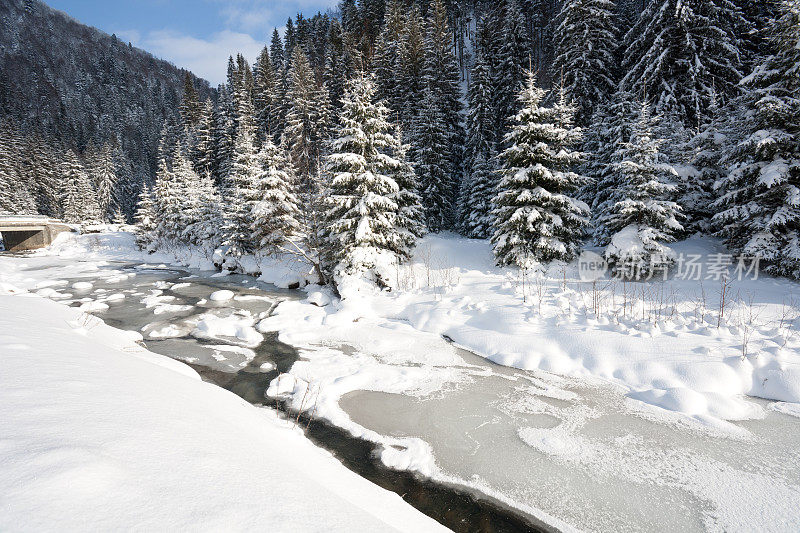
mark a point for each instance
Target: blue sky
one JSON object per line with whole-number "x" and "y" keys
{"x": 195, "y": 34}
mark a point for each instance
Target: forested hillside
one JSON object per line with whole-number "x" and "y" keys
{"x": 66, "y": 87}
{"x": 538, "y": 124}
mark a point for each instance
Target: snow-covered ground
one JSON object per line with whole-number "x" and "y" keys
{"x": 97, "y": 433}
{"x": 619, "y": 406}
{"x": 663, "y": 342}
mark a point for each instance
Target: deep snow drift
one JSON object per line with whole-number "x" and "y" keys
{"x": 98, "y": 433}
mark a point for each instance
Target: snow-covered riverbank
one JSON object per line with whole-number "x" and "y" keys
{"x": 98, "y": 433}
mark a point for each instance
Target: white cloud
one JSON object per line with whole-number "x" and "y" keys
{"x": 129, "y": 36}
{"x": 207, "y": 58}
{"x": 248, "y": 18}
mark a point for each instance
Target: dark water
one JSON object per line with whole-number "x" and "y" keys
{"x": 457, "y": 508}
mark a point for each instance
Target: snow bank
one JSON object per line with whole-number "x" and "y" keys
{"x": 282, "y": 271}
{"x": 95, "y": 426}
{"x": 663, "y": 349}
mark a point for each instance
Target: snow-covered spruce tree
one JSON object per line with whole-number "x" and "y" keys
{"x": 477, "y": 220}
{"x": 480, "y": 117}
{"x": 477, "y": 189}
{"x": 128, "y": 184}
{"x": 275, "y": 213}
{"x": 102, "y": 172}
{"x": 696, "y": 188}
{"x": 681, "y": 52}
{"x": 119, "y": 217}
{"x": 410, "y": 219}
{"x": 15, "y": 198}
{"x": 512, "y": 58}
{"x": 241, "y": 191}
{"x": 265, "y": 102}
{"x": 644, "y": 218}
{"x": 203, "y": 151}
{"x": 190, "y": 102}
{"x": 536, "y": 218}
{"x": 307, "y": 120}
{"x": 441, "y": 75}
{"x": 78, "y": 200}
{"x": 585, "y": 45}
{"x": 612, "y": 125}
{"x": 361, "y": 215}
{"x": 187, "y": 184}
{"x": 168, "y": 198}
{"x": 145, "y": 220}
{"x": 222, "y": 131}
{"x": 387, "y": 57}
{"x": 207, "y": 229}
{"x": 412, "y": 59}
{"x": 338, "y": 62}
{"x": 437, "y": 183}
{"x": 757, "y": 19}
{"x": 759, "y": 204}
{"x": 276, "y": 53}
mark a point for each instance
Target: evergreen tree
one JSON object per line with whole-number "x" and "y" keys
{"x": 241, "y": 190}
{"x": 276, "y": 211}
{"x": 643, "y": 218}
{"x": 441, "y": 76}
{"x": 337, "y": 64}
{"x": 276, "y": 53}
{"x": 307, "y": 120}
{"x": 79, "y": 200}
{"x": 585, "y": 47}
{"x": 388, "y": 56}
{"x": 477, "y": 220}
{"x": 411, "y": 61}
{"x": 612, "y": 126}
{"x": 511, "y": 57}
{"x": 696, "y": 188}
{"x": 437, "y": 183}
{"x": 186, "y": 184}
{"x": 128, "y": 184}
{"x": 15, "y": 196}
{"x": 190, "y": 103}
{"x": 207, "y": 230}
{"x": 478, "y": 187}
{"x": 410, "y": 219}
{"x": 103, "y": 174}
{"x": 265, "y": 96}
{"x": 362, "y": 212}
{"x": 119, "y": 218}
{"x": 222, "y": 134}
{"x": 145, "y": 220}
{"x": 480, "y": 117}
{"x": 168, "y": 204}
{"x": 682, "y": 52}
{"x": 536, "y": 218}
{"x": 203, "y": 151}
{"x": 759, "y": 210}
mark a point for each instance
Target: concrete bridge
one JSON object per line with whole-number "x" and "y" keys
{"x": 22, "y": 232}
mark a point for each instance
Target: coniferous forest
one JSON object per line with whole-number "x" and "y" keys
{"x": 538, "y": 124}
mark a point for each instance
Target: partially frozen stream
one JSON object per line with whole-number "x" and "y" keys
{"x": 591, "y": 457}
{"x": 575, "y": 450}
{"x": 175, "y": 311}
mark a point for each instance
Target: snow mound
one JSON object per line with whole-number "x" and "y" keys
{"x": 221, "y": 296}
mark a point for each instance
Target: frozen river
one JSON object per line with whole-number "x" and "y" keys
{"x": 590, "y": 457}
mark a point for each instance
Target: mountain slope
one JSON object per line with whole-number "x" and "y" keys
{"x": 74, "y": 85}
